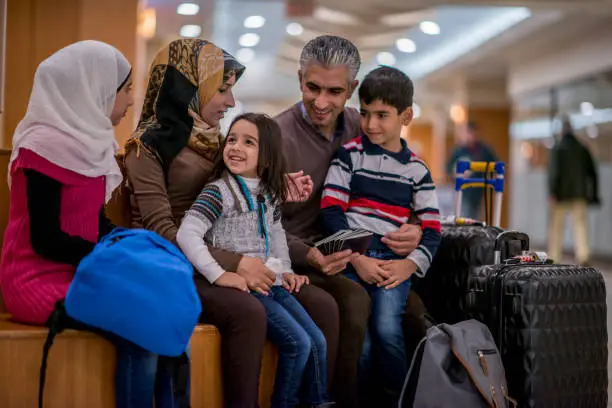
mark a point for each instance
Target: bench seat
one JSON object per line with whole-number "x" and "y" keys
{"x": 81, "y": 367}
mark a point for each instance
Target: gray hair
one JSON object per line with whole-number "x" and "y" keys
{"x": 329, "y": 51}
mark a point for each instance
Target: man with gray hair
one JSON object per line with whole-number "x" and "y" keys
{"x": 313, "y": 130}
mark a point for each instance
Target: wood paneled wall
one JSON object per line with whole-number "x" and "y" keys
{"x": 38, "y": 28}
{"x": 494, "y": 129}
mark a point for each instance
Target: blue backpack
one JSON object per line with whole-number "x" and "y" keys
{"x": 138, "y": 286}
{"x": 135, "y": 285}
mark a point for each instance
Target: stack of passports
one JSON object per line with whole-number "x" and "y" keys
{"x": 357, "y": 240}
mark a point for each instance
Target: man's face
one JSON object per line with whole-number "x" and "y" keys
{"x": 325, "y": 91}
{"x": 468, "y": 135}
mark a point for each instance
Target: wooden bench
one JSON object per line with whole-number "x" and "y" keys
{"x": 81, "y": 365}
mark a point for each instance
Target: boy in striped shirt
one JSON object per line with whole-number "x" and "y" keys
{"x": 376, "y": 183}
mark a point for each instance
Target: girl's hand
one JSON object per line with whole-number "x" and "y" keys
{"x": 232, "y": 280}
{"x": 293, "y": 282}
{"x": 299, "y": 187}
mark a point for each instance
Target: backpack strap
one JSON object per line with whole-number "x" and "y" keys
{"x": 178, "y": 370}
{"x": 56, "y": 323}
{"x": 408, "y": 393}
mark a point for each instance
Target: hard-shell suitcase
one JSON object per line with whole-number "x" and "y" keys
{"x": 549, "y": 324}
{"x": 462, "y": 247}
{"x": 443, "y": 288}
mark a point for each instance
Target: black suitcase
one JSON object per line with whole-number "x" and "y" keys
{"x": 549, "y": 323}
{"x": 443, "y": 288}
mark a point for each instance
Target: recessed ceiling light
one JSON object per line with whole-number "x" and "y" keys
{"x": 405, "y": 45}
{"x": 191, "y": 31}
{"x": 188, "y": 9}
{"x": 244, "y": 55}
{"x": 248, "y": 40}
{"x": 254, "y": 22}
{"x": 587, "y": 108}
{"x": 385, "y": 58}
{"x": 430, "y": 28}
{"x": 294, "y": 29}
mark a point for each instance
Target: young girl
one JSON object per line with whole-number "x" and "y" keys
{"x": 240, "y": 212}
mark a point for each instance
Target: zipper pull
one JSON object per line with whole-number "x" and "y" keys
{"x": 483, "y": 362}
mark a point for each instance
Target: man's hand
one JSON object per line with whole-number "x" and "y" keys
{"x": 258, "y": 277}
{"x": 370, "y": 269}
{"x": 330, "y": 264}
{"x": 293, "y": 282}
{"x": 405, "y": 240}
{"x": 232, "y": 280}
{"x": 399, "y": 272}
{"x": 299, "y": 187}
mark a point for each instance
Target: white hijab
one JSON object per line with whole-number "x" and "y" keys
{"x": 68, "y": 117}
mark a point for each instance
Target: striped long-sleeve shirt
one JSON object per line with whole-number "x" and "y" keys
{"x": 371, "y": 188}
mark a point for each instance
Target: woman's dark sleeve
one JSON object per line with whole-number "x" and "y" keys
{"x": 47, "y": 238}
{"x": 106, "y": 226}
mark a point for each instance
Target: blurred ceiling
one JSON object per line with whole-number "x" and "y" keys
{"x": 477, "y": 38}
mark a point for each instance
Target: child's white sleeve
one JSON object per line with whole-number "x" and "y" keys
{"x": 278, "y": 242}
{"x": 207, "y": 208}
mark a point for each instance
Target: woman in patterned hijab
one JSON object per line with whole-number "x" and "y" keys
{"x": 168, "y": 161}
{"x": 185, "y": 99}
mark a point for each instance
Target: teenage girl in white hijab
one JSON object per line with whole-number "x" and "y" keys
{"x": 62, "y": 172}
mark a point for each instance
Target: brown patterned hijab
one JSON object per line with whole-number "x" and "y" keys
{"x": 183, "y": 74}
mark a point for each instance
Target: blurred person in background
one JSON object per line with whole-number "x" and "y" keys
{"x": 470, "y": 148}
{"x": 572, "y": 186}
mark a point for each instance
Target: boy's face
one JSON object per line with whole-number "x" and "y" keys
{"x": 382, "y": 124}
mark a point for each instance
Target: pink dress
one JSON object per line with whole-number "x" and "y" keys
{"x": 31, "y": 284}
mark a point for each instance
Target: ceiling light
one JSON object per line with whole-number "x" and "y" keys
{"x": 191, "y": 31}
{"x": 416, "y": 111}
{"x": 457, "y": 113}
{"x": 147, "y": 23}
{"x": 405, "y": 45}
{"x": 254, "y": 22}
{"x": 385, "y": 58}
{"x": 587, "y": 108}
{"x": 430, "y": 28}
{"x": 244, "y": 55}
{"x": 294, "y": 29}
{"x": 248, "y": 40}
{"x": 188, "y": 9}
{"x": 592, "y": 131}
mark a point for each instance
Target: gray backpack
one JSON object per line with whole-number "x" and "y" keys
{"x": 456, "y": 366}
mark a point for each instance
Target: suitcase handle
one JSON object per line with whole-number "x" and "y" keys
{"x": 496, "y": 183}
{"x": 504, "y": 238}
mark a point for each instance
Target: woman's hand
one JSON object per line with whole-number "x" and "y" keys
{"x": 232, "y": 280}
{"x": 258, "y": 277}
{"x": 299, "y": 187}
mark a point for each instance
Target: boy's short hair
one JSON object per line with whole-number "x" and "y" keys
{"x": 388, "y": 84}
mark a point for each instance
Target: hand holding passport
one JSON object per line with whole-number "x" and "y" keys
{"x": 357, "y": 240}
